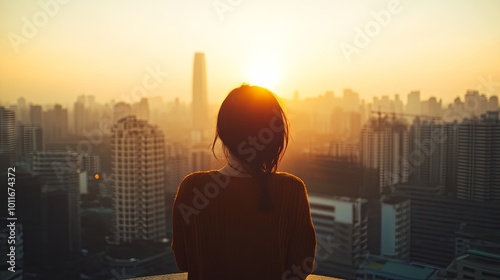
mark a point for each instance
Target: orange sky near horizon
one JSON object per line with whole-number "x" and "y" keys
{"x": 55, "y": 51}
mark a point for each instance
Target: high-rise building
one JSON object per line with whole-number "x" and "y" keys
{"x": 60, "y": 171}
{"x": 141, "y": 109}
{"x": 431, "y": 107}
{"x": 395, "y": 228}
{"x": 176, "y": 164}
{"x": 384, "y": 146}
{"x": 79, "y": 114}
{"x": 138, "y": 164}
{"x": 7, "y": 137}
{"x": 355, "y": 126}
{"x": 200, "y": 99}
{"x": 92, "y": 164}
{"x": 435, "y": 219}
{"x": 451, "y": 153}
{"x": 121, "y": 110}
{"x": 493, "y": 104}
{"x": 55, "y": 124}
{"x": 427, "y": 156}
{"x": 413, "y": 106}
{"x": 36, "y": 115}
{"x": 30, "y": 139}
{"x": 350, "y": 100}
{"x": 340, "y": 222}
{"x": 200, "y": 158}
{"x": 22, "y": 110}
{"x": 478, "y": 158}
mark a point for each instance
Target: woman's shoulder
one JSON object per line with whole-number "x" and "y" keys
{"x": 290, "y": 179}
{"x": 288, "y": 176}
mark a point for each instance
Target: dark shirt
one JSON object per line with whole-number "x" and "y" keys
{"x": 220, "y": 231}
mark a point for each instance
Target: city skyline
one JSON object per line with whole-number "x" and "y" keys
{"x": 108, "y": 50}
{"x": 393, "y": 128}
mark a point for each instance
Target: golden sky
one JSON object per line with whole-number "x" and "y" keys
{"x": 54, "y": 52}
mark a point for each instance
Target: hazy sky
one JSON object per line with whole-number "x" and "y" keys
{"x": 104, "y": 48}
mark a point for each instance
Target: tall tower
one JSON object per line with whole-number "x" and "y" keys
{"x": 200, "y": 99}
{"x": 138, "y": 164}
{"x": 7, "y": 136}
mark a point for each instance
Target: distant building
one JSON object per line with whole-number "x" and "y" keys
{"x": 121, "y": 110}
{"x": 176, "y": 164}
{"x": 36, "y": 115}
{"x": 413, "y": 106}
{"x": 55, "y": 124}
{"x": 141, "y": 109}
{"x": 92, "y": 164}
{"x": 200, "y": 158}
{"x": 29, "y": 140}
{"x": 200, "y": 99}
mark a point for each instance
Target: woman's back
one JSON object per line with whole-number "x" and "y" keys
{"x": 221, "y": 233}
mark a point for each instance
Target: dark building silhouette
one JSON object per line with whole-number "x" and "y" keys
{"x": 435, "y": 218}
{"x": 478, "y": 158}
{"x": 200, "y": 99}
{"x": 7, "y": 137}
{"x": 36, "y": 115}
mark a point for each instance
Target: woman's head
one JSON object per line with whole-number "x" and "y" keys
{"x": 254, "y": 129}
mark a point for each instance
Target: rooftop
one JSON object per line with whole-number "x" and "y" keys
{"x": 398, "y": 270}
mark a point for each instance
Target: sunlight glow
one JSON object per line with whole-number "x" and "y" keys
{"x": 264, "y": 70}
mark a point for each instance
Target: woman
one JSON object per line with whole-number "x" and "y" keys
{"x": 245, "y": 221}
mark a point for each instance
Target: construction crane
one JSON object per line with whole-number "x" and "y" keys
{"x": 394, "y": 114}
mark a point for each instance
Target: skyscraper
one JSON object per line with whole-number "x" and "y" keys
{"x": 55, "y": 126}
{"x": 30, "y": 139}
{"x": 384, "y": 146}
{"x": 478, "y": 158}
{"x": 427, "y": 157}
{"x": 60, "y": 170}
{"x": 36, "y": 114}
{"x": 138, "y": 164}
{"x": 414, "y": 106}
{"x": 200, "y": 98}
{"x": 7, "y": 136}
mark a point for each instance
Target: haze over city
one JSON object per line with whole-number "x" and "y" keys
{"x": 103, "y": 49}
{"x": 109, "y": 109}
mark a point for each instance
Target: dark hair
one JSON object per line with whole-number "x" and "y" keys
{"x": 253, "y": 127}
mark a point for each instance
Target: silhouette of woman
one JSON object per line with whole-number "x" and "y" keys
{"x": 245, "y": 220}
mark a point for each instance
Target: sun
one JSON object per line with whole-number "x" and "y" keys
{"x": 264, "y": 70}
